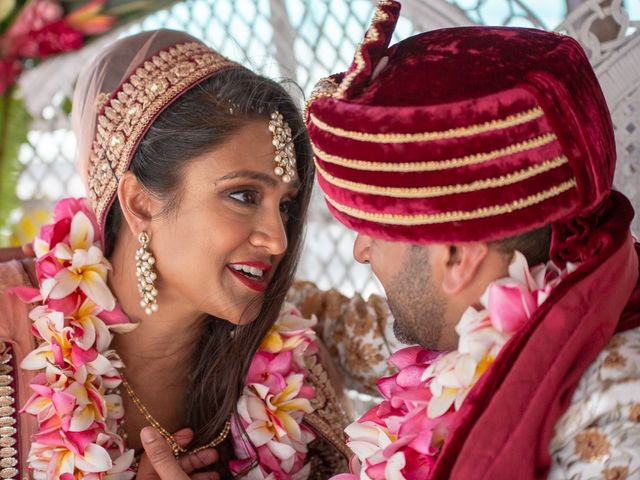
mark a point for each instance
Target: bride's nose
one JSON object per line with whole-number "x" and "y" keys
{"x": 270, "y": 233}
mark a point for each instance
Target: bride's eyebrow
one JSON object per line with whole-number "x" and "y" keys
{"x": 258, "y": 176}
{"x": 250, "y": 175}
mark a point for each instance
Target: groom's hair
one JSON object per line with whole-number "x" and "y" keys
{"x": 534, "y": 245}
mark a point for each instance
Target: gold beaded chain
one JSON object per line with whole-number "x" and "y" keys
{"x": 177, "y": 449}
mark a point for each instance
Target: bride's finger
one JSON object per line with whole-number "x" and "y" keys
{"x": 196, "y": 461}
{"x": 183, "y": 437}
{"x": 11, "y": 253}
{"x": 27, "y": 249}
{"x": 205, "y": 476}
{"x": 163, "y": 464}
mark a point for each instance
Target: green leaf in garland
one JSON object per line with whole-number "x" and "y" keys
{"x": 14, "y": 126}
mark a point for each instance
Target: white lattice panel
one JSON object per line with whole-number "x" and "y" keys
{"x": 305, "y": 40}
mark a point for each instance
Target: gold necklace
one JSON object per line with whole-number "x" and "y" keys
{"x": 177, "y": 449}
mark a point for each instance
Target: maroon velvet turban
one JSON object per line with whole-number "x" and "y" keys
{"x": 461, "y": 134}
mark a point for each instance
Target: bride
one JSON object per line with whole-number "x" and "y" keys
{"x": 154, "y": 301}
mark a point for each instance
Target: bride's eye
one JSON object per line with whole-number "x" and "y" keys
{"x": 287, "y": 207}
{"x": 249, "y": 197}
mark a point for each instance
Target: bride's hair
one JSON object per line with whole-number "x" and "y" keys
{"x": 194, "y": 124}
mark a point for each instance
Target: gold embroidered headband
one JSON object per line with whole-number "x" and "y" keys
{"x": 126, "y": 114}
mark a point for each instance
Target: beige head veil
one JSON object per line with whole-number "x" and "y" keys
{"x": 121, "y": 93}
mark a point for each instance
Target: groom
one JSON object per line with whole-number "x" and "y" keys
{"x": 448, "y": 153}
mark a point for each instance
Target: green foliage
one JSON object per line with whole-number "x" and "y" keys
{"x": 12, "y": 16}
{"x": 14, "y": 126}
{"x": 15, "y": 120}
{"x": 125, "y": 10}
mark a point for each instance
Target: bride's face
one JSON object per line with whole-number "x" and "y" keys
{"x": 219, "y": 249}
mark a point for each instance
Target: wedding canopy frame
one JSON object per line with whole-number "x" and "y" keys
{"x": 304, "y": 40}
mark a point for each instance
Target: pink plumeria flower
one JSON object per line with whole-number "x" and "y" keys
{"x": 89, "y": 407}
{"x": 60, "y": 347}
{"x": 269, "y": 370}
{"x": 87, "y": 270}
{"x": 46, "y": 322}
{"x": 41, "y": 404}
{"x": 35, "y": 15}
{"x": 274, "y": 416}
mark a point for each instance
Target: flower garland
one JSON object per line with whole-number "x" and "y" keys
{"x": 78, "y": 416}
{"x": 402, "y": 437}
{"x": 273, "y": 404}
{"x": 38, "y": 29}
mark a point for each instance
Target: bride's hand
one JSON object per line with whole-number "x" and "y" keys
{"x": 158, "y": 462}
{"x": 16, "y": 253}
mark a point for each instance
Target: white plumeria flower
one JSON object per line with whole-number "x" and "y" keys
{"x": 44, "y": 460}
{"x": 47, "y": 322}
{"x": 477, "y": 337}
{"x": 94, "y": 330}
{"x": 303, "y": 473}
{"x": 393, "y": 469}
{"x": 519, "y": 271}
{"x": 121, "y": 465}
{"x": 367, "y": 438}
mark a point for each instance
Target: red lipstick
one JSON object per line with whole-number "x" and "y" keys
{"x": 258, "y": 284}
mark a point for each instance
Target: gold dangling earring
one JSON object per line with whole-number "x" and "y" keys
{"x": 146, "y": 276}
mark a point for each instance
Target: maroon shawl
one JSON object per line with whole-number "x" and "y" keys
{"x": 505, "y": 425}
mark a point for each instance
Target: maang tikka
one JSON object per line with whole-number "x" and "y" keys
{"x": 146, "y": 275}
{"x": 285, "y": 157}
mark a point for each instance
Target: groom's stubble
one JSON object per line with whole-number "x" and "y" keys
{"x": 417, "y": 307}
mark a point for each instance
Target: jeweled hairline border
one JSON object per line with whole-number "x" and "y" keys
{"x": 148, "y": 115}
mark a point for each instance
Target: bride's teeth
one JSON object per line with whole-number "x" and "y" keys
{"x": 256, "y": 272}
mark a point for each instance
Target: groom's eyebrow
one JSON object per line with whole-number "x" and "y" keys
{"x": 258, "y": 176}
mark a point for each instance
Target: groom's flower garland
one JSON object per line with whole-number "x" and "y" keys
{"x": 78, "y": 417}
{"x": 402, "y": 437}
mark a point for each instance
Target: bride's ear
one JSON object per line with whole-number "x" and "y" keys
{"x": 136, "y": 203}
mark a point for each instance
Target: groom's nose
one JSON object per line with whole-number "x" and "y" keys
{"x": 362, "y": 248}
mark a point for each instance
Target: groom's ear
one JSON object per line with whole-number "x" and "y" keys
{"x": 136, "y": 203}
{"x": 461, "y": 264}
